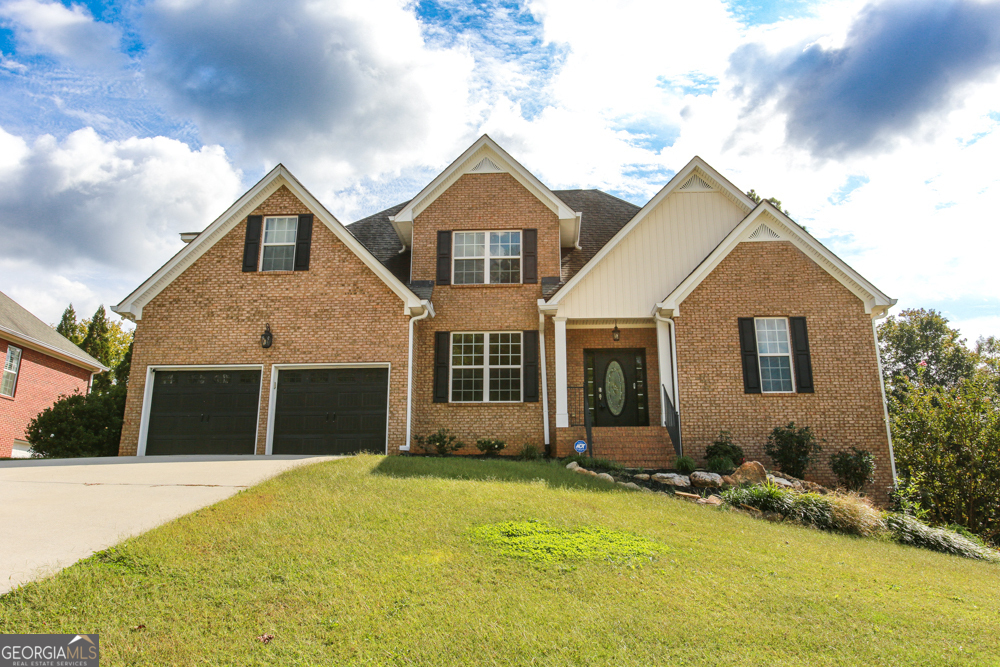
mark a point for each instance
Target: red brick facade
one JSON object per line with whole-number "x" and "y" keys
{"x": 775, "y": 279}
{"x": 338, "y": 311}
{"x": 41, "y": 380}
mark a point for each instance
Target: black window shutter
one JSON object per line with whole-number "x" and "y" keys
{"x": 748, "y": 349}
{"x": 442, "y": 353}
{"x": 303, "y": 242}
{"x": 800, "y": 351}
{"x": 529, "y": 350}
{"x": 251, "y": 245}
{"x": 444, "y": 258}
{"x": 529, "y": 253}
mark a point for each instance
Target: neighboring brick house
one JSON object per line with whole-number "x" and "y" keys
{"x": 495, "y": 307}
{"x": 37, "y": 366}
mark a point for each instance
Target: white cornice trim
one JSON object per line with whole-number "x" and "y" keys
{"x": 133, "y": 304}
{"x": 39, "y": 346}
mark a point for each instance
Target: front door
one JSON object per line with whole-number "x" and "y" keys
{"x": 616, "y": 386}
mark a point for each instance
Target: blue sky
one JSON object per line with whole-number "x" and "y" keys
{"x": 125, "y": 123}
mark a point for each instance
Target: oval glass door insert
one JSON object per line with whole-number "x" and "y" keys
{"x": 614, "y": 388}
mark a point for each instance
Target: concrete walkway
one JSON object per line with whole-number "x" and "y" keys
{"x": 54, "y": 512}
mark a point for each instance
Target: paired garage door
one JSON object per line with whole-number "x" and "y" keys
{"x": 204, "y": 412}
{"x": 331, "y": 411}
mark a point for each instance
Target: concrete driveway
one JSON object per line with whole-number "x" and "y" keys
{"x": 55, "y": 512}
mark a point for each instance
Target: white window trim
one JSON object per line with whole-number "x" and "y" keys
{"x": 263, "y": 244}
{"x": 486, "y": 366}
{"x": 486, "y": 257}
{"x": 16, "y": 371}
{"x": 791, "y": 359}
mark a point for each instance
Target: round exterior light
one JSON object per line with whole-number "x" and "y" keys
{"x": 266, "y": 338}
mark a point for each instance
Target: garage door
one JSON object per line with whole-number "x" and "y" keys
{"x": 331, "y": 411}
{"x": 204, "y": 412}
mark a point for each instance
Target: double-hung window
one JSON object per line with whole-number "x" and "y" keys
{"x": 487, "y": 258}
{"x": 11, "y": 366}
{"x": 279, "y": 243}
{"x": 775, "y": 354}
{"x": 486, "y": 367}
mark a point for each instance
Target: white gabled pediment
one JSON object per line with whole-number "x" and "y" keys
{"x": 133, "y": 304}
{"x": 695, "y": 184}
{"x": 486, "y": 157}
{"x": 763, "y": 233}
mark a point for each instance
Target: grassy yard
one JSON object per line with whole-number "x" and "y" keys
{"x": 370, "y": 561}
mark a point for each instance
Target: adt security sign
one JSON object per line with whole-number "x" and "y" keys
{"x": 580, "y": 446}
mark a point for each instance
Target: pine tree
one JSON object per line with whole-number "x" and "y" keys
{"x": 69, "y": 327}
{"x": 97, "y": 344}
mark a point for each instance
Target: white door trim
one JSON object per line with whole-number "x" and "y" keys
{"x": 147, "y": 395}
{"x": 272, "y": 396}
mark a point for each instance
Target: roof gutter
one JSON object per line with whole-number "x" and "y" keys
{"x": 53, "y": 351}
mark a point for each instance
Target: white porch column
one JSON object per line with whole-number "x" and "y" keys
{"x": 562, "y": 404}
{"x": 663, "y": 344}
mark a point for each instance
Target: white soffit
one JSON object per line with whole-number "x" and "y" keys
{"x": 132, "y": 305}
{"x": 486, "y": 157}
{"x": 767, "y": 223}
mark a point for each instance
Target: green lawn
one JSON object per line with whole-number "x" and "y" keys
{"x": 369, "y": 561}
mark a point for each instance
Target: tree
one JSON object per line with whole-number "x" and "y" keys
{"x": 69, "y": 327}
{"x": 80, "y": 425}
{"x": 752, "y": 194}
{"x": 920, "y": 341}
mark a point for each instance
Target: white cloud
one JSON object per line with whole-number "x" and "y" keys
{"x": 68, "y": 33}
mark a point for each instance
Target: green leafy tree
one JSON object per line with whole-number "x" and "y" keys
{"x": 947, "y": 445}
{"x": 80, "y": 425}
{"x": 920, "y": 341}
{"x": 752, "y": 194}
{"x": 69, "y": 327}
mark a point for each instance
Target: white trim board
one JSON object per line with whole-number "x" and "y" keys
{"x": 20, "y": 340}
{"x": 486, "y": 156}
{"x": 147, "y": 395}
{"x": 779, "y": 227}
{"x": 133, "y": 304}
{"x": 272, "y": 395}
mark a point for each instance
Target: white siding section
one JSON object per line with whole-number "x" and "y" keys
{"x": 655, "y": 257}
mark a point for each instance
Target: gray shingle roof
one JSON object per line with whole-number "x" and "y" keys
{"x": 17, "y": 321}
{"x": 603, "y": 216}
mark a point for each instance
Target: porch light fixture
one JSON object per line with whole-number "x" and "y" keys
{"x": 266, "y": 338}
{"x": 616, "y": 333}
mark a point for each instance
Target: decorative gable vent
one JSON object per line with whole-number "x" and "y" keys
{"x": 696, "y": 184}
{"x": 486, "y": 166}
{"x": 764, "y": 233}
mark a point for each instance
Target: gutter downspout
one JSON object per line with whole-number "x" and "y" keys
{"x": 545, "y": 383}
{"x": 409, "y": 379}
{"x": 673, "y": 358}
{"x": 885, "y": 405}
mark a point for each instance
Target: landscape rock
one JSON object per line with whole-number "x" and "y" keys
{"x": 711, "y": 500}
{"x": 780, "y": 481}
{"x": 572, "y": 465}
{"x": 728, "y": 481}
{"x": 633, "y": 486}
{"x": 687, "y": 496}
{"x": 706, "y": 480}
{"x": 751, "y": 472}
{"x": 592, "y": 473}
{"x": 641, "y": 477}
{"x": 581, "y": 470}
{"x": 672, "y": 479}
{"x": 606, "y": 477}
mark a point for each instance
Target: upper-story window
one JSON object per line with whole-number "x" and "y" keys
{"x": 11, "y": 366}
{"x": 279, "y": 244}
{"x": 775, "y": 354}
{"x": 487, "y": 257}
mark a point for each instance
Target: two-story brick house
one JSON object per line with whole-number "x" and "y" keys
{"x": 495, "y": 307}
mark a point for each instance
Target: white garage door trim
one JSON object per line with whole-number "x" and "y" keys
{"x": 147, "y": 394}
{"x": 272, "y": 396}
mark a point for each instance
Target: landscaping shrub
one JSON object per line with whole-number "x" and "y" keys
{"x": 685, "y": 465}
{"x": 854, "y": 515}
{"x": 595, "y": 463}
{"x": 909, "y": 530}
{"x": 490, "y": 446}
{"x": 766, "y": 498}
{"x": 441, "y": 443}
{"x": 80, "y": 425}
{"x": 530, "y": 452}
{"x": 792, "y": 448}
{"x": 854, "y": 469}
{"x": 844, "y": 513}
{"x": 721, "y": 464}
{"x": 723, "y": 446}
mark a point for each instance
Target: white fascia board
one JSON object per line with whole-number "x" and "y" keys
{"x": 679, "y": 179}
{"x": 19, "y": 339}
{"x": 406, "y": 214}
{"x": 131, "y": 306}
{"x": 791, "y": 231}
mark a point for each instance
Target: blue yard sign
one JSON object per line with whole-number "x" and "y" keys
{"x": 580, "y": 446}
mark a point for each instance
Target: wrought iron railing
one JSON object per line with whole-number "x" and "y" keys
{"x": 673, "y": 422}
{"x": 580, "y": 413}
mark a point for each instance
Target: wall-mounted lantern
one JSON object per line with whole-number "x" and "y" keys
{"x": 266, "y": 338}
{"x": 616, "y": 333}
